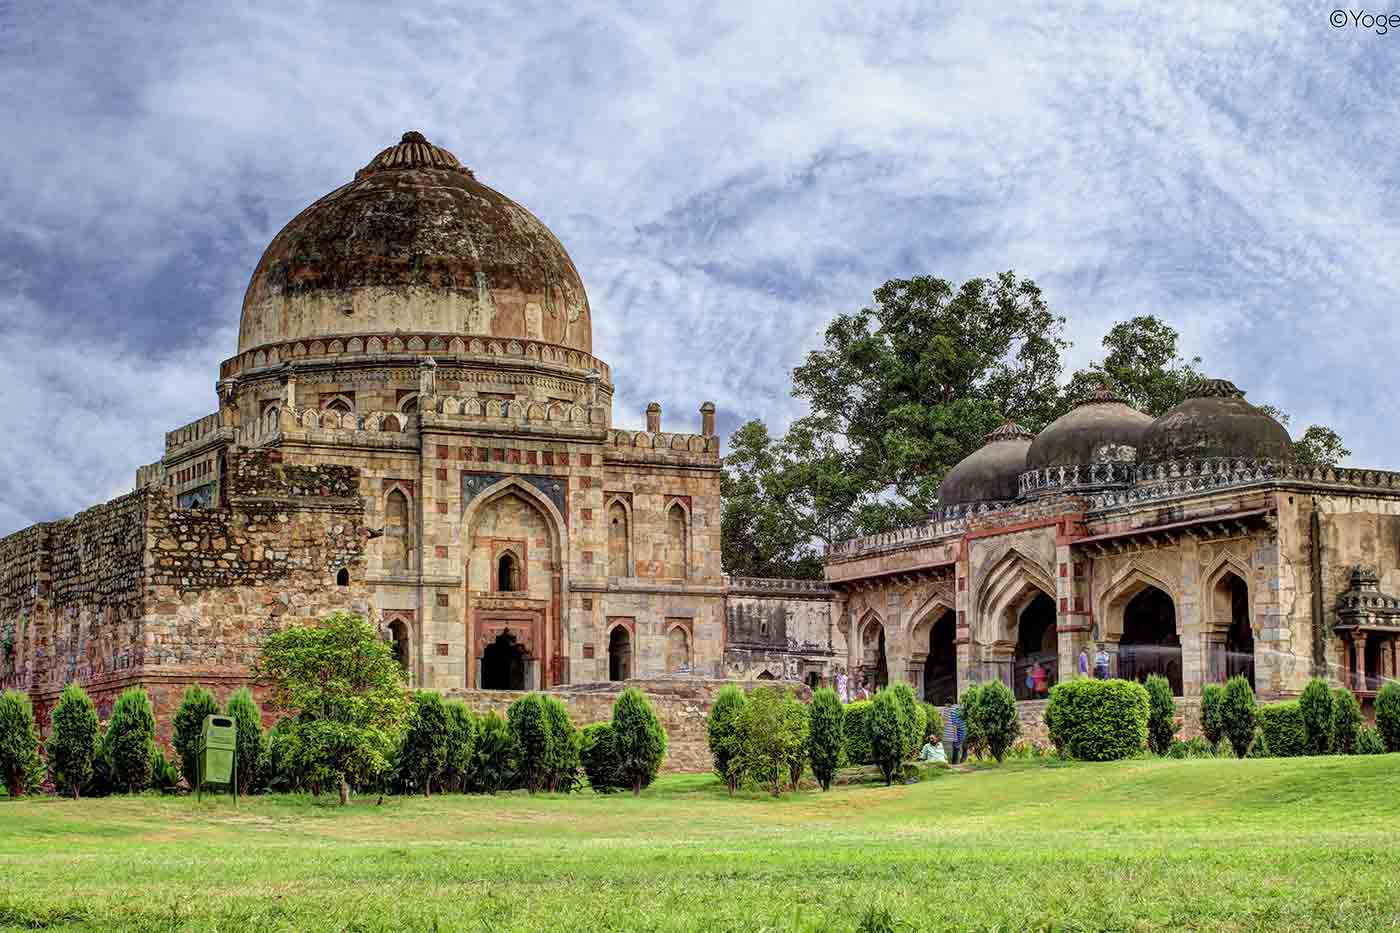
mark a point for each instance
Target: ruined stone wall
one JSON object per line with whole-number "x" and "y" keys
{"x": 780, "y": 628}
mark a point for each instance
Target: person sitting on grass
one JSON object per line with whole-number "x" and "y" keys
{"x": 933, "y": 750}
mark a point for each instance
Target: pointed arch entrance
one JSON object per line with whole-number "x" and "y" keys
{"x": 503, "y": 664}
{"x": 619, "y": 653}
{"x": 874, "y": 657}
{"x": 1035, "y": 663}
{"x": 1231, "y": 635}
{"x": 1150, "y": 643}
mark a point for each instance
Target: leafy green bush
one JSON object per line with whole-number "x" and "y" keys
{"x": 165, "y": 774}
{"x": 1212, "y": 726}
{"x": 563, "y": 747}
{"x": 638, "y": 737}
{"x": 73, "y": 741}
{"x": 461, "y": 739}
{"x": 933, "y": 723}
{"x": 529, "y": 726}
{"x": 888, "y": 733}
{"x": 998, "y": 723}
{"x": 251, "y": 741}
{"x": 1098, "y": 720}
{"x": 1346, "y": 721}
{"x": 493, "y": 756}
{"x": 423, "y": 753}
{"x": 1201, "y": 747}
{"x": 914, "y": 717}
{"x": 344, "y": 693}
{"x": 599, "y": 759}
{"x": 282, "y": 768}
{"x": 769, "y": 737}
{"x": 196, "y": 704}
{"x": 21, "y": 768}
{"x": 827, "y": 735}
{"x": 1237, "y": 714}
{"x": 1161, "y": 714}
{"x": 1369, "y": 742}
{"x": 975, "y": 740}
{"x": 857, "y": 724}
{"x": 1315, "y": 706}
{"x": 1284, "y": 728}
{"x": 1259, "y": 745}
{"x": 1388, "y": 715}
{"x": 127, "y": 742}
{"x": 724, "y": 731}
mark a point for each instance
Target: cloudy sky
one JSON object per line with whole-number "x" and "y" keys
{"x": 727, "y": 177}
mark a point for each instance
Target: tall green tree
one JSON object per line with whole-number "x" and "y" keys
{"x": 638, "y": 739}
{"x": 129, "y": 738}
{"x": 251, "y": 741}
{"x": 423, "y": 755}
{"x": 72, "y": 744}
{"x": 345, "y": 695}
{"x": 21, "y": 768}
{"x": 827, "y": 735}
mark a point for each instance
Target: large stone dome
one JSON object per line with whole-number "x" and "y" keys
{"x": 1101, "y": 429}
{"x": 415, "y": 245}
{"x": 991, "y": 473}
{"x": 1215, "y": 421}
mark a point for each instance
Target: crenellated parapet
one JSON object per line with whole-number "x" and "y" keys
{"x": 411, "y": 347}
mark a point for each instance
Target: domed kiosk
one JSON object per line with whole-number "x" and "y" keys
{"x": 1093, "y": 444}
{"x": 989, "y": 476}
{"x": 1215, "y": 422}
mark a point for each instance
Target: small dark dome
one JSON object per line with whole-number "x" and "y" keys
{"x": 1215, "y": 421}
{"x": 1101, "y": 429}
{"x": 992, "y": 472}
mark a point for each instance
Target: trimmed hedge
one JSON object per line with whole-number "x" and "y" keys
{"x": 1346, "y": 721}
{"x": 1315, "y": 706}
{"x": 599, "y": 759}
{"x": 1212, "y": 725}
{"x": 1098, "y": 720}
{"x": 1161, "y": 714}
{"x": 1284, "y": 729}
{"x": 1238, "y": 714}
{"x": 858, "y": 733}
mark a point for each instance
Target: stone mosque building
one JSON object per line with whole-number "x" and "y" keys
{"x": 414, "y": 428}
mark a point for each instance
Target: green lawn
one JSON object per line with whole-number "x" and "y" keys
{"x": 1237, "y": 845}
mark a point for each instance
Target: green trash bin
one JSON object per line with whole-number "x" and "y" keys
{"x": 218, "y": 743}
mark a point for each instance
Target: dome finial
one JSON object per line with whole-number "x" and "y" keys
{"x": 413, "y": 151}
{"x": 1214, "y": 388}
{"x": 1009, "y": 431}
{"x": 413, "y": 136}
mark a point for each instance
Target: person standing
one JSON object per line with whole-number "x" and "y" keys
{"x": 954, "y": 732}
{"x": 1084, "y": 662}
{"x": 1101, "y": 663}
{"x": 1038, "y": 678}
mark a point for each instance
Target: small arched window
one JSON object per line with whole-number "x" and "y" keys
{"x": 507, "y": 573}
{"x": 409, "y": 406}
{"x": 338, "y": 405}
{"x": 342, "y": 577}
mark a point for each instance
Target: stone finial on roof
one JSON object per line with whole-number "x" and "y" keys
{"x": 1105, "y": 393}
{"x": 413, "y": 151}
{"x": 1214, "y": 388}
{"x": 1009, "y": 431}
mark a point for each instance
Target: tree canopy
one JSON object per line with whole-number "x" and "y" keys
{"x": 903, "y": 390}
{"x": 343, "y": 694}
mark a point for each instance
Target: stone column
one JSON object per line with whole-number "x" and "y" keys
{"x": 1358, "y": 648}
{"x": 654, "y": 418}
{"x": 1191, "y": 619}
{"x": 707, "y": 419}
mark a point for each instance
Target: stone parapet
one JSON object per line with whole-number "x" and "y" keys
{"x": 774, "y": 586}
{"x": 412, "y": 346}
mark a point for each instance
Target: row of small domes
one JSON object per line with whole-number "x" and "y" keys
{"x": 1213, "y": 421}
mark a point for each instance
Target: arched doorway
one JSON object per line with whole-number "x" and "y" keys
{"x": 941, "y": 668}
{"x": 1232, "y": 643}
{"x": 503, "y": 664}
{"x": 813, "y": 680}
{"x": 678, "y": 650}
{"x": 1150, "y": 644}
{"x": 619, "y": 653}
{"x": 398, "y": 634}
{"x": 1036, "y": 666}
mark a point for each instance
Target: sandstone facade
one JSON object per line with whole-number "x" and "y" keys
{"x": 413, "y": 428}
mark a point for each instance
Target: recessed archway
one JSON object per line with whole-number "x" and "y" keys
{"x": 1232, "y": 635}
{"x": 941, "y": 665}
{"x": 1035, "y": 668}
{"x": 619, "y": 653}
{"x": 398, "y": 636}
{"x": 503, "y": 664}
{"x": 874, "y": 661}
{"x": 1149, "y": 643}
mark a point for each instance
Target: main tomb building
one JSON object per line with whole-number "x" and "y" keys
{"x": 414, "y": 428}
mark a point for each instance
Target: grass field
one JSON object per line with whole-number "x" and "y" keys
{"x": 1235, "y": 845}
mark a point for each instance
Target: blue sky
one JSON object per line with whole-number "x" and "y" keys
{"x": 726, "y": 177}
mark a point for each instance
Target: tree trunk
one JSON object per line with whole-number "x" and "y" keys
{"x": 637, "y": 786}
{"x": 344, "y": 791}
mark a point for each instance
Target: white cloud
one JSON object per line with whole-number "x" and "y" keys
{"x": 726, "y": 177}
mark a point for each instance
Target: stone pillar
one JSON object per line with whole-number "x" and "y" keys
{"x": 1110, "y": 647}
{"x": 1358, "y": 649}
{"x": 1002, "y": 664}
{"x": 1075, "y": 615}
{"x": 228, "y": 403}
{"x": 707, "y": 419}
{"x": 427, "y": 383}
{"x": 654, "y": 418}
{"x": 963, "y": 644}
{"x": 1191, "y": 619}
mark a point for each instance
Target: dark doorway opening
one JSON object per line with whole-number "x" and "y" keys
{"x": 882, "y": 667}
{"x": 503, "y": 664}
{"x": 619, "y": 654}
{"x": 1150, "y": 644}
{"x": 507, "y": 574}
{"x": 1239, "y": 640}
{"x": 1036, "y": 666}
{"x": 941, "y": 668}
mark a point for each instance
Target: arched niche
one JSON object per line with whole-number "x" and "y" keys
{"x": 620, "y": 653}
{"x": 619, "y": 520}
